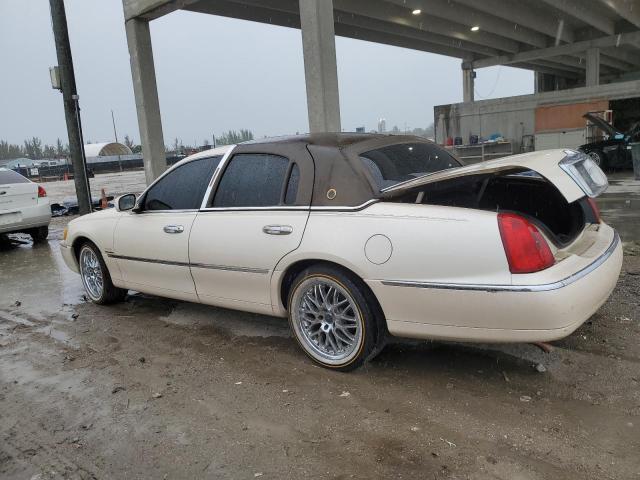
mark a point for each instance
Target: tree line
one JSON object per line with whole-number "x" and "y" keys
{"x": 35, "y": 149}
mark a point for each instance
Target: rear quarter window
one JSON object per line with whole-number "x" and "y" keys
{"x": 9, "y": 176}
{"x": 405, "y": 161}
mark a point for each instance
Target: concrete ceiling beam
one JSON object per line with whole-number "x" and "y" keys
{"x": 585, "y": 12}
{"x": 577, "y": 48}
{"x": 391, "y": 13}
{"x": 471, "y": 17}
{"x": 627, "y": 9}
{"x": 521, "y": 15}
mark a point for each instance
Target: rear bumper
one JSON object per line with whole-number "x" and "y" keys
{"x": 28, "y": 217}
{"x": 502, "y": 313}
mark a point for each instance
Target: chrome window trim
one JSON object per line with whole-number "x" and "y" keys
{"x": 249, "y": 209}
{"x": 514, "y": 288}
{"x": 229, "y": 268}
{"x": 147, "y": 212}
{"x": 299, "y": 208}
{"x": 166, "y": 172}
{"x": 214, "y": 177}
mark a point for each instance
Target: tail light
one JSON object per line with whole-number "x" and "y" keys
{"x": 526, "y": 249}
{"x": 41, "y": 192}
{"x": 594, "y": 209}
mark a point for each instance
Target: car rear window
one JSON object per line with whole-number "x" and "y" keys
{"x": 9, "y": 176}
{"x": 394, "y": 164}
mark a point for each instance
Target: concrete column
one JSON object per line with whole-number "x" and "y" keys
{"x": 593, "y": 67}
{"x": 320, "y": 68}
{"x": 145, "y": 91}
{"x": 468, "y": 84}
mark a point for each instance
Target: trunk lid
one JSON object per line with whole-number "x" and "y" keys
{"x": 601, "y": 124}
{"x": 545, "y": 163}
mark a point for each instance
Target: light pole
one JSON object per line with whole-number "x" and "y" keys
{"x": 65, "y": 81}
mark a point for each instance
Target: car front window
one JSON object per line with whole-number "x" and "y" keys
{"x": 394, "y": 164}
{"x": 183, "y": 188}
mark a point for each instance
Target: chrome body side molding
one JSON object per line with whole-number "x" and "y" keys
{"x": 262, "y": 271}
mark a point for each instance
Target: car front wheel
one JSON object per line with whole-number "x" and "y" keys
{"x": 334, "y": 318}
{"x": 95, "y": 277}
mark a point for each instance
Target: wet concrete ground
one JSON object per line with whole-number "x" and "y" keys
{"x": 156, "y": 388}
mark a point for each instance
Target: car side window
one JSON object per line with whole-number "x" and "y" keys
{"x": 292, "y": 185}
{"x": 252, "y": 180}
{"x": 184, "y": 187}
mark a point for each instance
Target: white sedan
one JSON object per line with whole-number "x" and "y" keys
{"x": 355, "y": 237}
{"x": 24, "y": 206}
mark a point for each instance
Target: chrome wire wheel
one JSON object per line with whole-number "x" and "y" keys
{"x": 327, "y": 320}
{"x": 91, "y": 273}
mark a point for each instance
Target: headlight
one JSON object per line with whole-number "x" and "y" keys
{"x": 584, "y": 171}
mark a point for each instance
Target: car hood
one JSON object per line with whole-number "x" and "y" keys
{"x": 545, "y": 163}
{"x": 602, "y": 124}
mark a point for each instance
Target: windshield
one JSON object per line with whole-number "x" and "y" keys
{"x": 394, "y": 164}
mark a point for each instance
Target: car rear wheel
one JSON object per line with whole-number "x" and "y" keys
{"x": 39, "y": 234}
{"x": 334, "y": 318}
{"x": 95, "y": 277}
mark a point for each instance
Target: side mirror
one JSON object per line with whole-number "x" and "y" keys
{"x": 126, "y": 202}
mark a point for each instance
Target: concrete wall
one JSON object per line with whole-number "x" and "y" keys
{"x": 514, "y": 117}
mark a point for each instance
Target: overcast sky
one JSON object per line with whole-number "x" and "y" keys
{"x": 214, "y": 74}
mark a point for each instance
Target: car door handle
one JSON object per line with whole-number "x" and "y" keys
{"x": 173, "y": 229}
{"x": 277, "y": 229}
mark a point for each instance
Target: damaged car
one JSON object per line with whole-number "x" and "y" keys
{"x": 614, "y": 151}
{"x": 358, "y": 237}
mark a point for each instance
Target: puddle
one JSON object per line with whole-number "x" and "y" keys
{"x": 237, "y": 323}
{"x": 37, "y": 277}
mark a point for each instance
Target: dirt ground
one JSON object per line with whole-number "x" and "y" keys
{"x": 155, "y": 388}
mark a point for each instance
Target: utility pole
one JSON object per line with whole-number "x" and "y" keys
{"x": 71, "y": 106}
{"x": 115, "y": 132}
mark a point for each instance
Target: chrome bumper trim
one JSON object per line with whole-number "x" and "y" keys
{"x": 514, "y": 288}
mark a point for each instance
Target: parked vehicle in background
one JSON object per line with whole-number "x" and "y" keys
{"x": 356, "y": 236}
{"x": 615, "y": 150}
{"x": 24, "y": 206}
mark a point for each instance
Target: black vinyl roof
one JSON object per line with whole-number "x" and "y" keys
{"x": 339, "y": 140}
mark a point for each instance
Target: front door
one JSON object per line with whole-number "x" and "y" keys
{"x": 255, "y": 218}
{"x": 152, "y": 246}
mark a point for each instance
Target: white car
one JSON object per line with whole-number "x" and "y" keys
{"x": 356, "y": 237}
{"x": 24, "y": 206}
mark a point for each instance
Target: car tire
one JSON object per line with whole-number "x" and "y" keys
{"x": 599, "y": 158}
{"x": 335, "y": 318}
{"x": 96, "y": 278}
{"x": 39, "y": 234}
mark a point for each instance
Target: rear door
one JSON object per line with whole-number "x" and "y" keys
{"x": 152, "y": 246}
{"x": 256, "y": 215}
